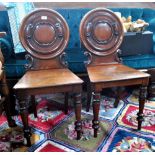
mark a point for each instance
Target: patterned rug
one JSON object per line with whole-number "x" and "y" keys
{"x": 53, "y": 131}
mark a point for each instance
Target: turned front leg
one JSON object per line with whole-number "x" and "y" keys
{"x": 7, "y": 105}
{"x": 7, "y": 108}
{"x": 142, "y": 99}
{"x": 24, "y": 116}
{"x": 78, "y": 107}
{"x": 96, "y": 108}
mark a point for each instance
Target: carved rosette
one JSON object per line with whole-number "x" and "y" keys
{"x": 44, "y": 33}
{"x": 101, "y": 31}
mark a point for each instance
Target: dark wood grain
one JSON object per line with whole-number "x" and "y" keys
{"x": 47, "y": 78}
{"x": 113, "y": 72}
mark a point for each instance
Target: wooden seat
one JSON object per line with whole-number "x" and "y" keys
{"x": 5, "y": 103}
{"x": 44, "y": 34}
{"x": 113, "y": 73}
{"x": 47, "y": 78}
{"x": 101, "y": 32}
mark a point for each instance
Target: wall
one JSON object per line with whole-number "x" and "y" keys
{"x": 94, "y": 4}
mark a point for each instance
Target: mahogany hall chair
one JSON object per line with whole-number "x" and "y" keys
{"x": 101, "y": 33}
{"x": 44, "y": 34}
{"x": 5, "y": 103}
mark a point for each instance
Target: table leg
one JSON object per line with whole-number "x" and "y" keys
{"x": 78, "y": 107}
{"x": 142, "y": 99}
{"x": 24, "y": 116}
{"x": 96, "y": 107}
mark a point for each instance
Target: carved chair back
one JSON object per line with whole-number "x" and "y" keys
{"x": 101, "y": 32}
{"x": 44, "y": 34}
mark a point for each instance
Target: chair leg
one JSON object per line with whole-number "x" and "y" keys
{"x": 24, "y": 117}
{"x": 96, "y": 108}
{"x": 34, "y": 105}
{"x": 89, "y": 95}
{"x": 78, "y": 107}
{"x": 7, "y": 105}
{"x": 118, "y": 97}
{"x": 142, "y": 98}
{"x": 66, "y": 103}
{"x": 11, "y": 122}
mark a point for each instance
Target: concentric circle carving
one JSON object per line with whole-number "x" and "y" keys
{"x": 44, "y": 33}
{"x": 101, "y": 31}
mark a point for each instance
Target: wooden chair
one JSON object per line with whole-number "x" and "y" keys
{"x": 101, "y": 32}
{"x": 44, "y": 34}
{"x": 5, "y": 103}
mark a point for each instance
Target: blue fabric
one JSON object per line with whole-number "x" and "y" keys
{"x": 140, "y": 61}
{"x": 74, "y": 50}
{"x": 6, "y": 41}
{"x": 76, "y": 57}
{"x": 15, "y": 68}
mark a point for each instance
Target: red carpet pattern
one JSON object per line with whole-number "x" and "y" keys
{"x": 53, "y": 131}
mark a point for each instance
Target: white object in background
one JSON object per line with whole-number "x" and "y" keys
{"x": 118, "y": 14}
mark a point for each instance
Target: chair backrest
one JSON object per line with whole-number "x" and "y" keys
{"x": 101, "y": 32}
{"x": 44, "y": 34}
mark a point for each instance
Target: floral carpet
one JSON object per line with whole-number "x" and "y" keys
{"x": 53, "y": 131}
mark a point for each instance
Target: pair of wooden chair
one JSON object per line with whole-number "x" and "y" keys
{"x": 44, "y": 34}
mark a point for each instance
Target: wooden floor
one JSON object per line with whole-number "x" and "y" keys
{"x": 94, "y": 4}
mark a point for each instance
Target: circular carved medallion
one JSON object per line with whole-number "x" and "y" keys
{"x": 44, "y": 33}
{"x": 101, "y": 31}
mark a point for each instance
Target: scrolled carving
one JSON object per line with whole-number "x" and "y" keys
{"x": 29, "y": 31}
{"x": 118, "y": 56}
{"x": 116, "y": 32}
{"x": 59, "y": 28}
{"x": 30, "y": 60}
{"x": 88, "y": 29}
{"x": 62, "y": 59}
{"x": 89, "y": 56}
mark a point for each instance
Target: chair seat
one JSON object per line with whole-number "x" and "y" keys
{"x": 113, "y": 72}
{"x": 47, "y": 78}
